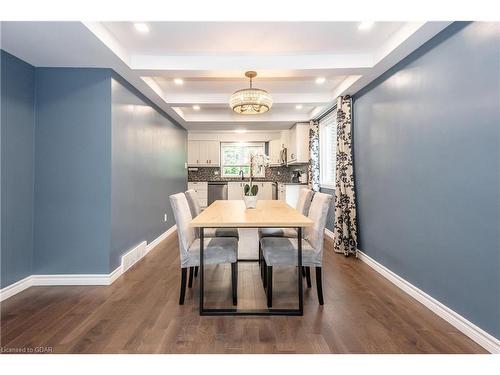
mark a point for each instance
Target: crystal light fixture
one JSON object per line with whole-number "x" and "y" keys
{"x": 251, "y": 101}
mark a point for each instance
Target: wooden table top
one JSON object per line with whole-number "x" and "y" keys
{"x": 234, "y": 214}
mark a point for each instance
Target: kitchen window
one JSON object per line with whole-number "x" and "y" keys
{"x": 235, "y": 157}
{"x": 327, "y": 149}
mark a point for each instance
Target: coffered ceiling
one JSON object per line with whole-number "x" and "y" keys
{"x": 190, "y": 69}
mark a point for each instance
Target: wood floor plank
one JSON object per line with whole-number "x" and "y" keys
{"x": 139, "y": 313}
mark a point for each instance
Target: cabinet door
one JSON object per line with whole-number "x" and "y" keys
{"x": 267, "y": 191}
{"x": 274, "y": 151}
{"x": 193, "y": 152}
{"x": 203, "y": 153}
{"x": 292, "y": 145}
{"x": 302, "y": 143}
{"x": 213, "y": 153}
{"x": 234, "y": 190}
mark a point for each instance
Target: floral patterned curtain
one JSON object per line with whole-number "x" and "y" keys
{"x": 345, "y": 228}
{"x": 313, "y": 169}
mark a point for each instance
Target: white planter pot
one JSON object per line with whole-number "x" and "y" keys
{"x": 250, "y": 201}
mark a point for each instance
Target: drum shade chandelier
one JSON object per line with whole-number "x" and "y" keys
{"x": 251, "y": 101}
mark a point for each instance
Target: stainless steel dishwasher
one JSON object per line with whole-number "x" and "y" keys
{"x": 217, "y": 190}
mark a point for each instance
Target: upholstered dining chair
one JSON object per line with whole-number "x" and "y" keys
{"x": 217, "y": 250}
{"x": 282, "y": 251}
{"x": 194, "y": 206}
{"x": 303, "y": 204}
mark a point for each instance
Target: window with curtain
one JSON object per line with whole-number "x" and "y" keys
{"x": 235, "y": 157}
{"x": 327, "y": 148}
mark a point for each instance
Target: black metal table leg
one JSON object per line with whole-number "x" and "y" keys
{"x": 264, "y": 312}
{"x": 202, "y": 269}
{"x": 299, "y": 270}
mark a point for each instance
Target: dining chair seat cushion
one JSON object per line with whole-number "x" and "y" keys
{"x": 216, "y": 250}
{"x": 277, "y": 232}
{"x": 283, "y": 252}
{"x": 221, "y": 232}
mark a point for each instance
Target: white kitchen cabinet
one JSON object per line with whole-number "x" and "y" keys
{"x": 281, "y": 192}
{"x": 266, "y": 190}
{"x": 275, "y": 152}
{"x": 193, "y": 153}
{"x": 285, "y": 138}
{"x": 235, "y": 190}
{"x": 213, "y": 148}
{"x": 298, "y": 147}
{"x": 201, "y": 189}
{"x": 203, "y": 154}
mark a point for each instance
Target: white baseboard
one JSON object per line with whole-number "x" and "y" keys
{"x": 329, "y": 233}
{"x": 480, "y": 336}
{"x": 131, "y": 257}
{"x": 15, "y": 288}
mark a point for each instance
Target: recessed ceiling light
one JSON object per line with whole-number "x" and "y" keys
{"x": 320, "y": 80}
{"x": 367, "y": 25}
{"x": 178, "y": 81}
{"x": 196, "y": 107}
{"x": 141, "y": 27}
{"x": 298, "y": 106}
{"x": 240, "y": 131}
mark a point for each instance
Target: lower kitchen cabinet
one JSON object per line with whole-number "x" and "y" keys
{"x": 201, "y": 189}
{"x": 235, "y": 190}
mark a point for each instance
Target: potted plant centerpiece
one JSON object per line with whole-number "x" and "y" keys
{"x": 257, "y": 162}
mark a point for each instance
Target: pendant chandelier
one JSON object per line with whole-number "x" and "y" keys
{"x": 251, "y": 101}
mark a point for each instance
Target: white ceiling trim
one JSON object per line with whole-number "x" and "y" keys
{"x": 90, "y": 44}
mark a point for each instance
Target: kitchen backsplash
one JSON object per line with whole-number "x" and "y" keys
{"x": 275, "y": 174}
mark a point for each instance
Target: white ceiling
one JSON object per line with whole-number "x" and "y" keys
{"x": 273, "y": 38}
{"x": 211, "y": 58}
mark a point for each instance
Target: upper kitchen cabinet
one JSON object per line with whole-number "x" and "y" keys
{"x": 203, "y": 154}
{"x": 275, "y": 153}
{"x": 298, "y": 144}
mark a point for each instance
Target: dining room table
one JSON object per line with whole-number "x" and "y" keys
{"x": 267, "y": 214}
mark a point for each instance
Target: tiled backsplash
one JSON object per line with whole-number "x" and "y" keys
{"x": 275, "y": 174}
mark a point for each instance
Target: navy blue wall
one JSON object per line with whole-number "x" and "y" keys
{"x": 426, "y": 147}
{"x": 17, "y": 136}
{"x": 72, "y": 171}
{"x": 149, "y": 152}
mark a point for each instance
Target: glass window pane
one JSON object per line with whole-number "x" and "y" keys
{"x": 236, "y": 157}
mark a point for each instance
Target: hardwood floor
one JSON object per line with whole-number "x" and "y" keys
{"x": 139, "y": 313}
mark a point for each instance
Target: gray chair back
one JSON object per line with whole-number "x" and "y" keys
{"x": 194, "y": 206}
{"x": 194, "y": 203}
{"x": 318, "y": 213}
{"x": 304, "y": 202}
{"x": 183, "y": 218}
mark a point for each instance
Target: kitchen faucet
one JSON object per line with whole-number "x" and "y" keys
{"x": 241, "y": 174}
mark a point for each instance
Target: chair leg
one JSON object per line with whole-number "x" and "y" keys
{"x": 261, "y": 264}
{"x": 234, "y": 282}
{"x": 264, "y": 270}
{"x": 303, "y": 271}
{"x": 196, "y": 271}
{"x": 183, "y": 285}
{"x": 319, "y": 285}
{"x": 270, "y": 286}
{"x": 308, "y": 276}
{"x": 191, "y": 272}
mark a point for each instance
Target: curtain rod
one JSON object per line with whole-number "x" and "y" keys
{"x": 326, "y": 113}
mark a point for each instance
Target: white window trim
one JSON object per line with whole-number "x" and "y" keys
{"x": 324, "y": 184}
{"x": 222, "y": 165}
